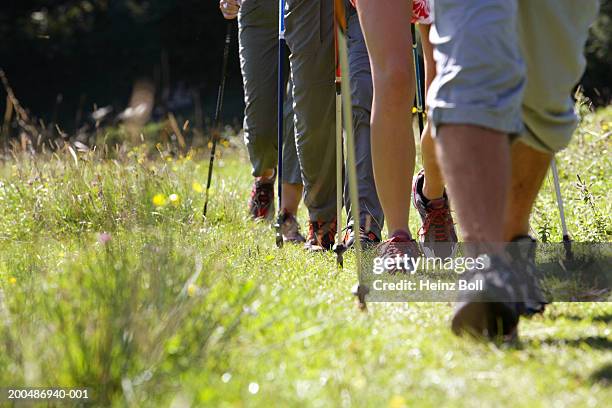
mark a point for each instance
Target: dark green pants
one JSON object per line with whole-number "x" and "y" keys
{"x": 258, "y": 38}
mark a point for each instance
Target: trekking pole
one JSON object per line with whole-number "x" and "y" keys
{"x": 420, "y": 91}
{"x": 567, "y": 241}
{"x": 281, "y": 99}
{"x": 339, "y": 247}
{"x": 360, "y": 290}
{"x": 217, "y": 121}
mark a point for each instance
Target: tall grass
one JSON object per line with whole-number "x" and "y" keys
{"x": 111, "y": 279}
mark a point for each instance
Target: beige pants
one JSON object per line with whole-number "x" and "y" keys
{"x": 510, "y": 65}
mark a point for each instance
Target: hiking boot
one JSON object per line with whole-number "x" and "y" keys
{"x": 321, "y": 235}
{"x": 522, "y": 251}
{"x": 261, "y": 203}
{"x": 400, "y": 244}
{"x": 367, "y": 239}
{"x": 493, "y": 310}
{"x": 290, "y": 228}
{"x": 437, "y": 234}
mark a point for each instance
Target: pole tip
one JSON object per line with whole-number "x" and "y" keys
{"x": 360, "y": 292}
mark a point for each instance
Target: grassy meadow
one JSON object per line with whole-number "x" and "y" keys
{"x": 110, "y": 279}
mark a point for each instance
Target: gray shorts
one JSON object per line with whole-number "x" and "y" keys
{"x": 510, "y": 65}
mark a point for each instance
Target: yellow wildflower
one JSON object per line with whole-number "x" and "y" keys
{"x": 397, "y": 401}
{"x": 12, "y": 280}
{"x": 191, "y": 290}
{"x": 159, "y": 200}
{"x": 197, "y": 187}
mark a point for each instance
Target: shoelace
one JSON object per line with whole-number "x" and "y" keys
{"x": 370, "y": 236}
{"x": 437, "y": 219}
{"x": 394, "y": 246}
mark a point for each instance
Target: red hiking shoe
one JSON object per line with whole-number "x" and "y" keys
{"x": 437, "y": 234}
{"x": 261, "y": 202}
{"x": 321, "y": 235}
{"x": 400, "y": 244}
{"x": 368, "y": 239}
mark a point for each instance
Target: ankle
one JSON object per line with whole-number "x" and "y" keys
{"x": 266, "y": 175}
{"x": 286, "y": 212}
{"x": 401, "y": 233}
{"x": 430, "y": 193}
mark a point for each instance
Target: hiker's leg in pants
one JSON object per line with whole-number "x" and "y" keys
{"x": 548, "y": 109}
{"x": 475, "y": 103}
{"x": 309, "y": 33}
{"x": 258, "y": 39}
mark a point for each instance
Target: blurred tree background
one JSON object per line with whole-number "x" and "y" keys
{"x": 62, "y": 57}
{"x": 597, "y": 80}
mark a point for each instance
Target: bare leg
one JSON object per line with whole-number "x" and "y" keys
{"x": 292, "y": 194}
{"x": 529, "y": 168}
{"x": 433, "y": 185}
{"x": 266, "y": 174}
{"x": 480, "y": 192}
{"x": 393, "y": 149}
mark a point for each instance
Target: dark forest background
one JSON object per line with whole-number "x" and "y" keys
{"x": 64, "y": 57}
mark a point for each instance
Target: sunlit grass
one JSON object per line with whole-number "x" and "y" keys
{"x": 111, "y": 279}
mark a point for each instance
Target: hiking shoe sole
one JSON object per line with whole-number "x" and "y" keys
{"x": 494, "y": 311}
{"x": 491, "y": 320}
